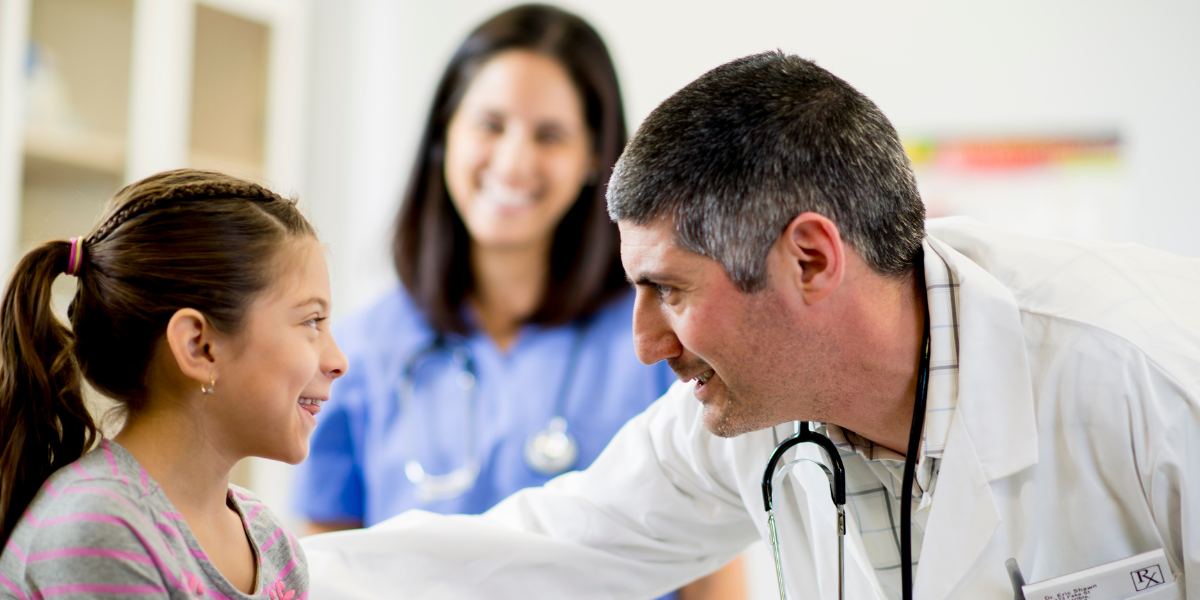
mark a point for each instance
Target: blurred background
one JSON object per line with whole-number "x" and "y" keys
{"x": 1070, "y": 118}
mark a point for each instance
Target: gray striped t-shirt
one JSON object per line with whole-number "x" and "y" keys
{"x": 101, "y": 527}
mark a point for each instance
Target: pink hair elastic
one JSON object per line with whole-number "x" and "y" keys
{"x": 76, "y": 257}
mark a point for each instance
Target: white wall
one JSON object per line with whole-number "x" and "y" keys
{"x": 934, "y": 67}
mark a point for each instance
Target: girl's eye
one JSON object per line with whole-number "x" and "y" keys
{"x": 314, "y": 322}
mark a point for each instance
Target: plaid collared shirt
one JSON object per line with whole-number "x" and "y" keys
{"x": 874, "y": 473}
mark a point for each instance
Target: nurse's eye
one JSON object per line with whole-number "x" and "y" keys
{"x": 551, "y": 135}
{"x": 491, "y": 125}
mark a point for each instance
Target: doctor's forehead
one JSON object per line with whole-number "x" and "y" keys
{"x": 649, "y": 251}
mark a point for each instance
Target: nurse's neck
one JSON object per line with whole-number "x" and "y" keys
{"x": 508, "y": 287}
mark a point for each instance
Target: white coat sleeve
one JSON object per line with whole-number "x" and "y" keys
{"x": 659, "y": 508}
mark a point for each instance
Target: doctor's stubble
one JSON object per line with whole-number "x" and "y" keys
{"x": 771, "y": 369}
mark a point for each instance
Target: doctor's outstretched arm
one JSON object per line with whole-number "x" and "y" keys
{"x": 659, "y": 508}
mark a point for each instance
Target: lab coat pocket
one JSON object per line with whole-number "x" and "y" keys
{"x": 1166, "y": 591}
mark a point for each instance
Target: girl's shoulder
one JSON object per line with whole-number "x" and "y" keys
{"x": 104, "y": 480}
{"x": 98, "y": 509}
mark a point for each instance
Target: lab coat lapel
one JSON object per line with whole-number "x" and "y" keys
{"x": 963, "y": 518}
{"x": 993, "y": 434}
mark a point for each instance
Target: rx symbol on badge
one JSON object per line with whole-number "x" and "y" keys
{"x": 1147, "y": 578}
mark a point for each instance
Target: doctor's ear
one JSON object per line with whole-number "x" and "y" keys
{"x": 191, "y": 338}
{"x": 815, "y": 252}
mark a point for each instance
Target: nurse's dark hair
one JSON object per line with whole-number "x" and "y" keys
{"x": 180, "y": 239}
{"x": 430, "y": 244}
{"x": 737, "y": 154}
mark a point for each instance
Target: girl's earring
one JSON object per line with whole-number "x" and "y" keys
{"x": 212, "y": 383}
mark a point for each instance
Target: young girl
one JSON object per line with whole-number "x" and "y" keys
{"x": 201, "y": 309}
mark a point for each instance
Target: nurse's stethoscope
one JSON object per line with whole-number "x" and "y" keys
{"x": 549, "y": 452}
{"x": 837, "y": 482}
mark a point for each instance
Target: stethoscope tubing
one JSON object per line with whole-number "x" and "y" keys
{"x": 454, "y": 483}
{"x": 910, "y": 465}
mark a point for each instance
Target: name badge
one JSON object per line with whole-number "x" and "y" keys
{"x": 1142, "y": 577}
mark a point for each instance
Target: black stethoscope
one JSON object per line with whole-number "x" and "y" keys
{"x": 837, "y": 482}
{"x": 549, "y": 452}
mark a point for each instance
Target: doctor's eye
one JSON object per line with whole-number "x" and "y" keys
{"x": 663, "y": 290}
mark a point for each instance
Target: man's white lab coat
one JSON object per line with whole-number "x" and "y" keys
{"x": 1076, "y": 442}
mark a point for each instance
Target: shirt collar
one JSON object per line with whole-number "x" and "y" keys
{"x": 942, "y": 400}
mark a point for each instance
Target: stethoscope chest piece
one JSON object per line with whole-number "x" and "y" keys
{"x": 552, "y": 450}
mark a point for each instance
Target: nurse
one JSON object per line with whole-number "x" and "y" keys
{"x": 506, "y": 357}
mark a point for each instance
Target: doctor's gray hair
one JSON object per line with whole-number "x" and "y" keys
{"x": 737, "y": 154}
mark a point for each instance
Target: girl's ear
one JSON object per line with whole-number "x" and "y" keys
{"x": 190, "y": 337}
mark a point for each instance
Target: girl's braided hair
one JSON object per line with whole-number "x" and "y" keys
{"x": 179, "y": 239}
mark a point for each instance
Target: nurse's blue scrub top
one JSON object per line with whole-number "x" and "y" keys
{"x": 355, "y": 470}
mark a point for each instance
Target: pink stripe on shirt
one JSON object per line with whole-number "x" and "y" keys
{"x": 291, "y": 564}
{"x": 13, "y": 587}
{"x": 12, "y": 547}
{"x": 158, "y": 562}
{"x": 98, "y": 588}
{"x": 253, "y": 513}
{"x": 215, "y": 594}
{"x": 271, "y": 540}
{"x": 112, "y": 461}
{"x": 167, "y": 529}
{"x": 78, "y": 469}
{"x": 98, "y": 552}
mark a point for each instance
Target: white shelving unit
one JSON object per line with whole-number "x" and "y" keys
{"x": 95, "y": 94}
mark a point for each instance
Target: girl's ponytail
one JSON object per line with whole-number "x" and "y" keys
{"x": 44, "y": 424}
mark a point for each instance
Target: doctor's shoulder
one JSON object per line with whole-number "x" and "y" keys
{"x": 1140, "y": 302}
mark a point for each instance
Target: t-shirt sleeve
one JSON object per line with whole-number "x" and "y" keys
{"x": 93, "y": 543}
{"x": 329, "y": 483}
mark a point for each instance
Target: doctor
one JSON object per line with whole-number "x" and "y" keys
{"x": 772, "y": 228}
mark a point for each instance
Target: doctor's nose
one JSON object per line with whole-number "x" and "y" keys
{"x": 653, "y": 338}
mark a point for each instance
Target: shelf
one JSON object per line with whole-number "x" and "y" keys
{"x": 95, "y": 151}
{"x": 229, "y": 165}
{"x": 229, "y": 93}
